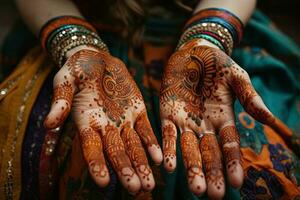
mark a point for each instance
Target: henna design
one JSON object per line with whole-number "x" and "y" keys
{"x": 137, "y": 156}
{"x": 106, "y": 99}
{"x": 117, "y": 156}
{"x": 196, "y": 93}
{"x": 192, "y": 78}
{"x": 247, "y": 95}
{"x": 169, "y": 144}
{"x": 243, "y": 89}
{"x": 261, "y": 114}
{"x": 191, "y": 155}
{"x": 211, "y": 156}
{"x": 190, "y": 150}
{"x": 144, "y": 129}
{"x": 115, "y": 149}
{"x": 107, "y": 76}
{"x": 92, "y": 149}
{"x": 63, "y": 91}
{"x": 230, "y": 142}
{"x": 60, "y": 110}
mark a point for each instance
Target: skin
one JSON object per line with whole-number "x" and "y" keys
{"x": 105, "y": 128}
{"x": 199, "y": 87}
{"x": 110, "y": 114}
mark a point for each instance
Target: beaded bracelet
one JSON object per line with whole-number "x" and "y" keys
{"x": 213, "y": 30}
{"x": 218, "y": 26}
{"x": 222, "y": 17}
{"x": 61, "y": 34}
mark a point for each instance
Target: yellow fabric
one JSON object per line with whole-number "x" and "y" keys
{"x": 22, "y": 88}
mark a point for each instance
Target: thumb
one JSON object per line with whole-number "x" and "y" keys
{"x": 248, "y": 97}
{"x": 63, "y": 92}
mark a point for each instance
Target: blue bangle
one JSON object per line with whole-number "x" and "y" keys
{"x": 220, "y": 21}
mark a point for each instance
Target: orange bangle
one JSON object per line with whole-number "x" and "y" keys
{"x": 60, "y": 21}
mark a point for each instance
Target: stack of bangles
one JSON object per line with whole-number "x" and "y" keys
{"x": 215, "y": 25}
{"x": 61, "y": 34}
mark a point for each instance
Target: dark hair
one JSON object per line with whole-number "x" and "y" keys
{"x": 128, "y": 14}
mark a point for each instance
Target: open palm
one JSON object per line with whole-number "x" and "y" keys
{"x": 110, "y": 114}
{"x": 197, "y": 95}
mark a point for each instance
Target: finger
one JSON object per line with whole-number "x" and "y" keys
{"x": 249, "y": 98}
{"x": 135, "y": 151}
{"x": 144, "y": 130}
{"x": 63, "y": 91}
{"x": 230, "y": 142}
{"x": 192, "y": 162}
{"x": 93, "y": 154}
{"x": 211, "y": 156}
{"x": 116, "y": 154}
{"x": 169, "y": 145}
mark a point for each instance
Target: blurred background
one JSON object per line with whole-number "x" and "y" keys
{"x": 285, "y": 14}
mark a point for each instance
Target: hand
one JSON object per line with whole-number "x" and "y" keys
{"x": 110, "y": 114}
{"x": 197, "y": 95}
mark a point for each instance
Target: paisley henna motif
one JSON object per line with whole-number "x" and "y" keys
{"x": 115, "y": 88}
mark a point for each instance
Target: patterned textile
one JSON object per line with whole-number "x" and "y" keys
{"x": 271, "y": 162}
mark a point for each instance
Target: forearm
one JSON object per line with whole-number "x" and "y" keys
{"x": 36, "y": 13}
{"x": 241, "y": 8}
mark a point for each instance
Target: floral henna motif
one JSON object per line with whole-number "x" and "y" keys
{"x": 230, "y": 142}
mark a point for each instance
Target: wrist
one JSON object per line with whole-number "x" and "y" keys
{"x": 218, "y": 26}
{"x": 198, "y": 42}
{"x": 79, "y": 48}
{"x": 64, "y": 35}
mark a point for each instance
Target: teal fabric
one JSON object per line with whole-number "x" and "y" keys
{"x": 273, "y": 63}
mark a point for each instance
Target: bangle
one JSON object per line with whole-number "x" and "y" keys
{"x": 58, "y": 22}
{"x": 62, "y": 34}
{"x": 215, "y": 33}
{"x": 218, "y": 26}
{"x": 206, "y": 37}
{"x": 222, "y": 17}
{"x": 59, "y": 52}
